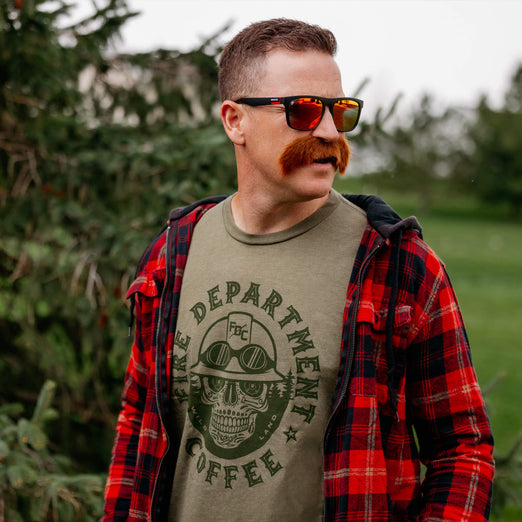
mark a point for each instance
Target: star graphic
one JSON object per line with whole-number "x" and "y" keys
{"x": 290, "y": 434}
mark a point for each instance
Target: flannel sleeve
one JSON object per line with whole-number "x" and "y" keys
{"x": 120, "y": 481}
{"x": 447, "y": 408}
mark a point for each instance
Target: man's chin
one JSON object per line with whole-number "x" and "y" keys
{"x": 312, "y": 183}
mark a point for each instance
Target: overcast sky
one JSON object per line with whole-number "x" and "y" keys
{"x": 456, "y": 50}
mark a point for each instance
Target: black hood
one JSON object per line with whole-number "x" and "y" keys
{"x": 382, "y": 217}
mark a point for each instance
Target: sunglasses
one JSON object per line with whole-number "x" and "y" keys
{"x": 305, "y": 112}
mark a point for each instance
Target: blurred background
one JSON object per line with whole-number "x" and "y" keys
{"x": 109, "y": 118}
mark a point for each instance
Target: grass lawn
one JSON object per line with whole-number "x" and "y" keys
{"x": 483, "y": 256}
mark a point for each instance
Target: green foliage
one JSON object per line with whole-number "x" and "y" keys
{"x": 418, "y": 151}
{"x": 492, "y": 168}
{"x": 95, "y": 148}
{"x": 35, "y": 484}
{"x": 479, "y": 151}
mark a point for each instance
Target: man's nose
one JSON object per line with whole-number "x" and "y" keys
{"x": 326, "y": 129}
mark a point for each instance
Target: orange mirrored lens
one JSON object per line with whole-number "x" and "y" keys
{"x": 305, "y": 113}
{"x": 345, "y": 114}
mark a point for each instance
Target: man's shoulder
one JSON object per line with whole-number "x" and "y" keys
{"x": 181, "y": 218}
{"x": 384, "y": 223}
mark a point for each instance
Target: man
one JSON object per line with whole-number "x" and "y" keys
{"x": 281, "y": 366}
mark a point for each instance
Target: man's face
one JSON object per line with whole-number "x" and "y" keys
{"x": 268, "y": 138}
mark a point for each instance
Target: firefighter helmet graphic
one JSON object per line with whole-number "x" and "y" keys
{"x": 235, "y": 380}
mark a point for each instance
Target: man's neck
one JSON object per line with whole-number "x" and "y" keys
{"x": 257, "y": 216}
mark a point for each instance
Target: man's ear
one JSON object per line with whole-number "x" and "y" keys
{"x": 231, "y": 116}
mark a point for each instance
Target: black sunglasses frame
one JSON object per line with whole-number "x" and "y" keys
{"x": 287, "y": 100}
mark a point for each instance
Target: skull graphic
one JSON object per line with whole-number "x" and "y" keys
{"x": 234, "y": 374}
{"x": 235, "y": 407}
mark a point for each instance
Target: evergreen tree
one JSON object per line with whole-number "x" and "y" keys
{"x": 491, "y": 166}
{"x": 95, "y": 148}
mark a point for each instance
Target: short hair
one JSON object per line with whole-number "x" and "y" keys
{"x": 241, "y": 61}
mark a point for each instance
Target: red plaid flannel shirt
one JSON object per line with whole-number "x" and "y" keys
{"x": 372, "y": 464}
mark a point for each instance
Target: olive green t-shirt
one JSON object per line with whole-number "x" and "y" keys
{"x": 256, "y": 355}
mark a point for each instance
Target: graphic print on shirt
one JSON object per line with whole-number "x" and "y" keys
{"x": 236, "y": 383}
{"x": 253, "y": 372}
